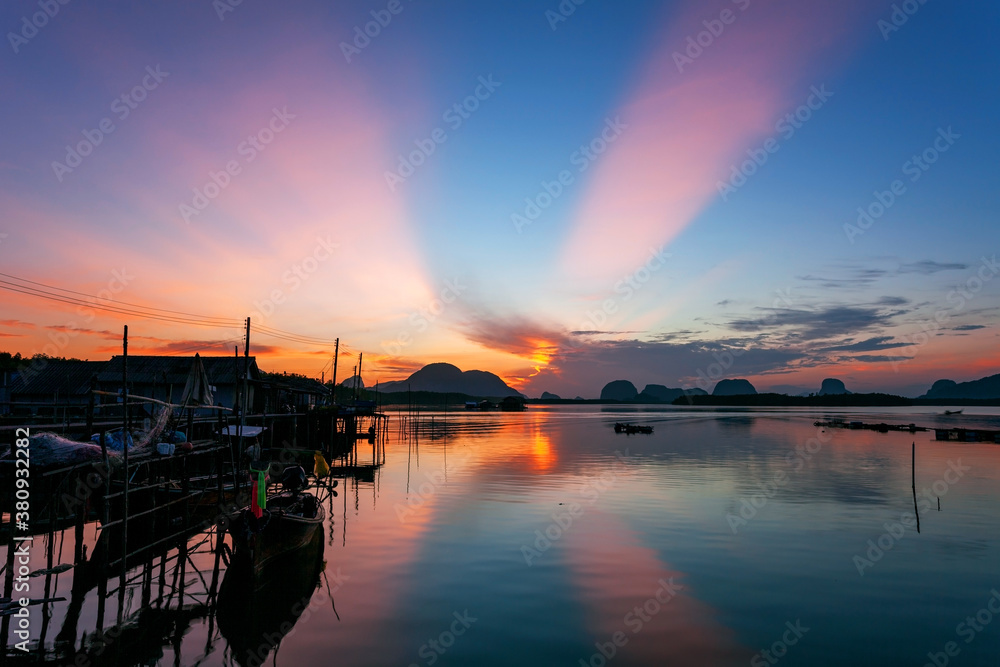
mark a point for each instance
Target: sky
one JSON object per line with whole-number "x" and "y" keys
{"x": 563, "y": 194}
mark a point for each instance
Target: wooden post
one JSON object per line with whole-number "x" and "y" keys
{"x": 218, "y": 474}
{"x": 125, "y": 439}
{"x": 105, "y": 509}
{"x": 90, "y": 405}
{"x": 186, "y": 491}
{"x": 233, "y": 454}
{"x": 78, "y": 536}
{"x": 913, "y": 481}
{"x": 102, "y": 588}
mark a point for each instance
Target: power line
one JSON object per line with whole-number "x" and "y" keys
{"x": 147, "y": 312}
{"x": 111, "y": 309}
{"x": 220, "y": 320}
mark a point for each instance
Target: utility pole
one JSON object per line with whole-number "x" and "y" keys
{"x": 357, "y": 380}
{"x": 246, "y": 384}
{"x": 336, "y": 354}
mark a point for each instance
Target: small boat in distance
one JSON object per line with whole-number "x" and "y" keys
{"x": 630, "y": 429}
{"x": 952, "y": 412}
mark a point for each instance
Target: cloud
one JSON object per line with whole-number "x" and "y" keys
{"x": 396, "y": 367}
{"x": 101, "y": 333}
{"x": 145, "y": 345}
{"x": 688, "y": 125}
{"x": 928, "y": 267}
{"x": 858, "y": 277}
{"x": 517, "y": 335}
{"x": 586, "y": 368}
{"x": 869, "y": 345}
{"x": 968, "y": 327}
{"x": 819, "y": 323}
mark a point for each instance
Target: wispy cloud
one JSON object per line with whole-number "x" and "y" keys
{"x": 875, "y": 358}
{"x": 855, "y": 278}
{"x": 516, "y": 335}
{"x": 928, "y": 267}
{"x": 819, "y": 323}
{"x": 153, "y": 346}
{"x": 17, "y": 323}
{"x": 869, "y": 345}
{"x": 683, "y": 134}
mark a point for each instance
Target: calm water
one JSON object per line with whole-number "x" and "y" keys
{"x": 542, "y": 538}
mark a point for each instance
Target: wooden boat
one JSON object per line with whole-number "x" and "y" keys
{"x": 289, "y": 521}
{"x": 953, "y": 412}
{"x": 630, "y": 429}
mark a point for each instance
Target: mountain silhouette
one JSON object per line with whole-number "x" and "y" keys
{"x": 619, "y": 390}
{"x": 446, "y": 378}
{"x": 349, "y": 382}
{"x": 658, "y": 393}
{"x": 987, "y": 387}
{"x": 737, "y": 387}
{"x": 832, "y": 386}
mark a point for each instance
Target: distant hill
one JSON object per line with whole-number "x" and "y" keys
{"x": 619, "y": 390}
{"x": 546, "y": 396}
{"x": 983, "y": 388}
{"x": 349, "y": 382}
{"x": 737, "y": 387}
{"x": 832, "y": 387}
{"x": 832, "y": 400}
{"x": 446, "y": 378}
{"x": 658, "y": 393}
{"x": 625, "y": 392}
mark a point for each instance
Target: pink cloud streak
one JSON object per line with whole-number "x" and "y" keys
{"x": 686, "y": 128}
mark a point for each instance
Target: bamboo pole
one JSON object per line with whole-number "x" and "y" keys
{"x": 125, "y": 439}
{"x": 913, "y": 481}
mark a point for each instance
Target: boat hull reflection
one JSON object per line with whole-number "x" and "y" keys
{"x": 258, "y": 607}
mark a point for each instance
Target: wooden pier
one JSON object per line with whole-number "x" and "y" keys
{"x": 951, "y": 434}
{"x": 148, "y": 523}
{"x": 880, "y": 427}
{"x": 967, "y": 435}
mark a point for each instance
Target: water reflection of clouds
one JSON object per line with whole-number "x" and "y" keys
{"x": 614, "y": 573}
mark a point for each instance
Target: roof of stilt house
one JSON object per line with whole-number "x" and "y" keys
{"x": 68, "y": 377}
{"x": 175, "y": 370}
